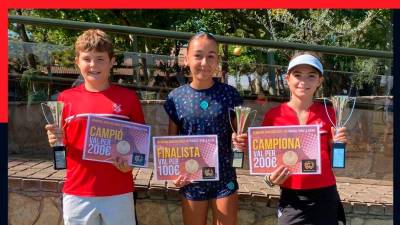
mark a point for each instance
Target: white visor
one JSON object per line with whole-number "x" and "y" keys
{"x": 306, "y": 60}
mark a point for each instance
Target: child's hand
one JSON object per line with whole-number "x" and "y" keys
{"x": 240, "y": 141}
{"x": 279, "y": 175}
{"x": 54, "y": 134}
{"x": 181, "y": 181}
{"x": 122, "y": 165}
{"x": 340, "y": 135}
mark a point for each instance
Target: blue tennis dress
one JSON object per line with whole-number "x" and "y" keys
{"x": 205, "y": 111}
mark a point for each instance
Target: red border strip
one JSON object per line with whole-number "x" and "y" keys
{"x": 176, "y": 4}
{"x": 3, "y": 67}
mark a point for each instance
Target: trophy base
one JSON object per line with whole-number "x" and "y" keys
{"x": 59, "y": 161}
{"x": 237, "y": 161}
{"x": 338, "y": 155}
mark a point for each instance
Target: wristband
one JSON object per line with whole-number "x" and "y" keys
{"x": 268, "y": 181}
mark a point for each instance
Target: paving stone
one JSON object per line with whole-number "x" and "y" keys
{"x": 40, "y": 175}
{"x": 30, "y": 184}
{"x": 173, "y": 194}
{"x": 158, "y": 184}
{"x": 246, "y": 217}
{"x": 141, "y": 193}
{"x": 21, "y": 167}
{"x": 50, "y": 214}
{"x": 244, "y": 196}
{"x": 142, "y": 183}
{"x": 357, "y": 221}
{"x": 135, "y": 171}
{"x": 14, "y": 183}
{"x": 60, "y": 186}
{"x": 23, "y": 209}
{"x": 43, "y": 165}
{"x": 359, "y": 196}
{"x": 144, "y": 174}
{"x": 259, "y": 197}
{"x": 389, "y": 210}
{"x": 360, "y": 208}
{"x": 12, "y": 172}
{"x": 348, "y": 207}
{"x": 376, "y": 209}
{"x": 59, "y": 175}
{"x": 12, "y": 164}
{"x": 26, "y": 173}
{"x": 157, "y": 193}
{"x": 273, "y": 202}
{"x": 49, "y": 185}
{"x": 378, "y": 222}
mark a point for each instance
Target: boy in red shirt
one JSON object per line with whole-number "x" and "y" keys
{"x": 94, "y": 192}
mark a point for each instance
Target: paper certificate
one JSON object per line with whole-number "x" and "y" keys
{"x": 108, "y": 138}
{"x": 295, "y": 147}
{"x": 193, "y": 156}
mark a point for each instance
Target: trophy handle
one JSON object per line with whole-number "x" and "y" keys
{"x": 56, "y": 117}
{"x": 68, "y": 113}
{"x": 351, "y": 112}
{"x": 230, "y": 118}
{"x": 348, "y": 118}
{"x": 44, "y": 114}
{"x": 254, "y": 117}
{"x": 327, "y": 113}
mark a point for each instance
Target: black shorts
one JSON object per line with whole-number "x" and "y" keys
{"x": 310, "y": 207}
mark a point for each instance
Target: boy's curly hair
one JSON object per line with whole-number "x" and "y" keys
{"x": 94, "y": 39}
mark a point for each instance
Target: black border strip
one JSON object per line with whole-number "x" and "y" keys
{"x": 3, "y": 174}
{"x": 396, "y": 134}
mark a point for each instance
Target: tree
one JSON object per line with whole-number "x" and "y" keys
{"x": 369, "y": 29}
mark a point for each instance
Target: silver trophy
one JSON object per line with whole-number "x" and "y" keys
{"x": 242, "y": 123}
{"x": 52, "y": 111}
{"x": 339, "y": 104}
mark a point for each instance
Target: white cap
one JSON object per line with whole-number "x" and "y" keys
{"x": 306, "y": 59}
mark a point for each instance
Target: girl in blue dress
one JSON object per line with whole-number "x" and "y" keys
{"x": 201, "y": 108}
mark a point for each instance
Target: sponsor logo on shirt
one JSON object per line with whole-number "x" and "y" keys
{"x": 117, "y": 108}
{"x": 321, "y": 127}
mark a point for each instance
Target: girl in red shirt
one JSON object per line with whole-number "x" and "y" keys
{"x": 306, "y": 199}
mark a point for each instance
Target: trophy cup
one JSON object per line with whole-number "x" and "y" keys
{"x": 54, "y": 116}
{"x": 339, "y": 103}
{"x": 242, "y": 114}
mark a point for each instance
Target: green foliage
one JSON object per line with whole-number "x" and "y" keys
{"x": 368, "y": 29}
{"x": 37, "y": 96}
{"x": 160, "y": 19}
{"x": 34, "y": 91}
{"x": 27, "y": 77}
{"x": 240, "y": 63}
{"x": 64, "y": 58}
{"x": 367, "y": 71}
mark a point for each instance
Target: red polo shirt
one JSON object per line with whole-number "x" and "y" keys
{"x": 282, "y": 115}
{"x": 90, "y": 178}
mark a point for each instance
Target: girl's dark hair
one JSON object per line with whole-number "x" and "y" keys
{"x": 201, "y": 35}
